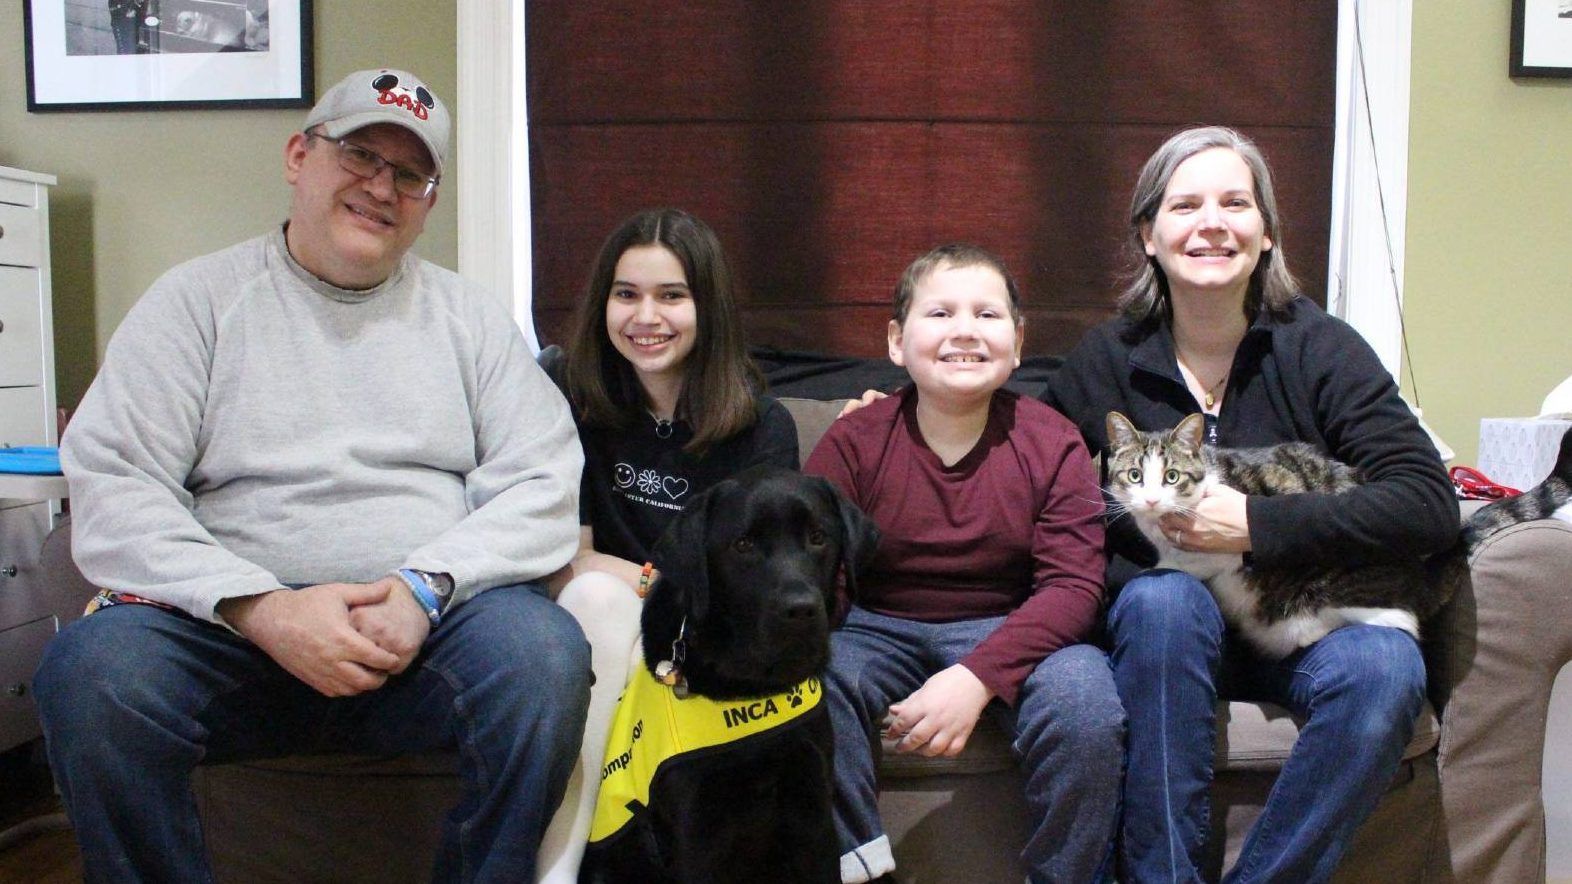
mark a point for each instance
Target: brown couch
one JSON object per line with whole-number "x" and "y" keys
{"x": 1465, "y": 805}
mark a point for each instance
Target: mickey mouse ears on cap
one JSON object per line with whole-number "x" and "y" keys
{"x": 365, "y": 98}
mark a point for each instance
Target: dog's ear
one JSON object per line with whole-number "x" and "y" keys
{"x": 682, "y": 555}
{"x": 859, "y": 536}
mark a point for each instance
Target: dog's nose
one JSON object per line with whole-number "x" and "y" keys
{"x": 797, "y": 601}
{"x": 800, "y": 609}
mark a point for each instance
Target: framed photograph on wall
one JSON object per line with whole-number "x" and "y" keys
{"x": 167, "y": 54}
{"x": 1542, "y": 38}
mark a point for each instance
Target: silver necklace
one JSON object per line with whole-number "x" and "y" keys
{"x": 662, "y": 426}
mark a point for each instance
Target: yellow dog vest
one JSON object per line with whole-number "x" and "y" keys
{"x": 653, "y": 727}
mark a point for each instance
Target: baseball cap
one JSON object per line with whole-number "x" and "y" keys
{"x": 385, "y": 95}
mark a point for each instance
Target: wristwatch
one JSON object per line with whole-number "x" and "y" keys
{"x": 431, "y": 590}
{"x": 441, "y": 585}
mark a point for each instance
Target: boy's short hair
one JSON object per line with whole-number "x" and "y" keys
{"x": 951, "y": 255}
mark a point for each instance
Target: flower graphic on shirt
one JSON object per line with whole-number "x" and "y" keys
{"x": 649, "y": 481}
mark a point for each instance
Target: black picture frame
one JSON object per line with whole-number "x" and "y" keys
{"x": 168, "y": 54}
{"x": 1541, "y": 38}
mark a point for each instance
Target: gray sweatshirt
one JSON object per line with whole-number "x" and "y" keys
{"x": 253, "y": 426}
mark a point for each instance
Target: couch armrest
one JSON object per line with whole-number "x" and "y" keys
{"x": 1500, "y": 643}
{"x": 59, "y": 579}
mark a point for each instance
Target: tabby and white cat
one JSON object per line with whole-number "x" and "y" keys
{"x": 1550, "y": 499}
{"x": 1278, "y": 610}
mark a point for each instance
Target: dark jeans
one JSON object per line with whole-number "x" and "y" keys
{"x": 1068, "y": 728}
{"x": 1359, "y": 690}
{"x": 134, "y": 697}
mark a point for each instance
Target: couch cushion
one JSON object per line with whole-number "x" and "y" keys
{"x": 1259, "y": 736}
{"x": 341, "y": 819}
{"x": 1251, "y": 736}
{"x": 813, "y": 417}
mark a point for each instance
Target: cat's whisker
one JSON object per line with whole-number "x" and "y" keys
{"x": 1115, "y": 505}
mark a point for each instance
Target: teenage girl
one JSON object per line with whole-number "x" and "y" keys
{"x": 668, "y": 404}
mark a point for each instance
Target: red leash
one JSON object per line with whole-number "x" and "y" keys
{"x": 1471, "y": 484}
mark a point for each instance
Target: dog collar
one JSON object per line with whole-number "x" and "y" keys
{"x": 669, "y": 671}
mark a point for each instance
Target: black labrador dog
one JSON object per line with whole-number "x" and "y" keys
{"x": 720, "y": 759}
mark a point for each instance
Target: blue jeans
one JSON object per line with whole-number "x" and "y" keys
{"x": 1068, "y": 727}
{"x": 1358, "y": 690}
{"x": 134, "y": 697}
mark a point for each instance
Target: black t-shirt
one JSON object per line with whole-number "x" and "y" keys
{"x": 635, "y": 481}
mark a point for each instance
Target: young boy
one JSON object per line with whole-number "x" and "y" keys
{"x": 987, "y": 579}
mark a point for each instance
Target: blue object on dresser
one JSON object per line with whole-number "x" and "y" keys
{"x": 34, "y": 460}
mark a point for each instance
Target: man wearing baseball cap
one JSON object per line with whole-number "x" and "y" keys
{"x": 317, "y": 478}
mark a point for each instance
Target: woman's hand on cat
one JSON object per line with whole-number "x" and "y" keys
{"x": 1220, "y": 523}
{"x": 937, "y": 719}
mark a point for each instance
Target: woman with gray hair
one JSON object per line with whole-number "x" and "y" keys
{"x": 1213, "y": 323}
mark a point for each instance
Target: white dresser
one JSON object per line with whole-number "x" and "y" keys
{"x": 27, "y": 417}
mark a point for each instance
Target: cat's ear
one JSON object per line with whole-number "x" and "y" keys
{"x": 1120, "y": 431}
{"x": 1190, "y": 432}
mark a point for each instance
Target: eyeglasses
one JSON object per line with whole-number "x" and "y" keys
{"x": 369, "y": 164}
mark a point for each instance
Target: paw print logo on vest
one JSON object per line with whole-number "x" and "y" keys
{"x": 794, "y": 696}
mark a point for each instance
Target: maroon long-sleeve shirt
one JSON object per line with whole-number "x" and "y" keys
{"x": 1013, "y": 528}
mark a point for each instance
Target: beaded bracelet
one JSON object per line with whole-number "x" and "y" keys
{"x": 646, "y": 577}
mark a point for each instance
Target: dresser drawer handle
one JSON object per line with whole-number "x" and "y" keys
{"x": 2, "y": 231}
{"x": 8, "y": 570}
{"x": 16, "y": 690}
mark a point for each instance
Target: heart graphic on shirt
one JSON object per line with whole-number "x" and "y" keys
{"x": 674, "y": 487}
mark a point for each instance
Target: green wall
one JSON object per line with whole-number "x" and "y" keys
{"x": 1488, "y": 268}
{"x": 141, "y": 191}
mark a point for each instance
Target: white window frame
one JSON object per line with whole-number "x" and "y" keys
{"x": 1361, "y": 274}
{"x": 493, "y": 168}
{"x": 494, "y": 247}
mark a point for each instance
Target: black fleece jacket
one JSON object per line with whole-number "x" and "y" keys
{"x": 1304, "y": 377}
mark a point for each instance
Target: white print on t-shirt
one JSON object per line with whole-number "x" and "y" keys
{"x": 649, "y": 482}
